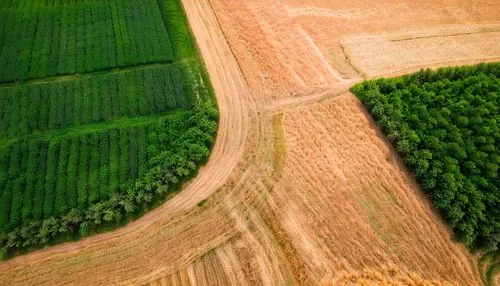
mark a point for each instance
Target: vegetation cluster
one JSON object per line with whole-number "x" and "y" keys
{"x": 105, "y": 110}
{"x": 446, "y": 126}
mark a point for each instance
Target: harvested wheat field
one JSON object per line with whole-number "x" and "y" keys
{"x": 301, "y": 187}
{"x": 350, "y": 208}
{"x": 285, "y": 46}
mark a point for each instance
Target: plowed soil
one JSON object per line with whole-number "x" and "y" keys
{"x": 302, "y": 187}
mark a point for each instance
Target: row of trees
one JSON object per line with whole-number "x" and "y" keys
{"x": 65, "y": 37}
{"x": 39, "y": 107}
{"x": 177, "y": 144}
{"x": 47, "y": 177}
{"x": 446, "y": 126}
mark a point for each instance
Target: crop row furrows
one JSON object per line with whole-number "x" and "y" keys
{"x": 40, "y": 107}
{"x": 69, "y": 172}
{"x": 105, "y": 109}
{"x": 66, "y": 37}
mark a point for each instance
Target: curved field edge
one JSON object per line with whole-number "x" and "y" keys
{"x": 446, "y": 126}
{"x": 183, "y": 137}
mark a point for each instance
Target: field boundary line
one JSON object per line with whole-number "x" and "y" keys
{"x": 445, "y": 35}
{"x": 315, "y": 96}
{"x": 122, "y": 122}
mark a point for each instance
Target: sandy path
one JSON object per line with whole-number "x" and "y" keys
{"x": 231, "y": 92}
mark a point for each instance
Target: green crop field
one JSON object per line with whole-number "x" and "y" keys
{"x": 105, "y": 109}
{"x": 41, "y": 38}
{"x": 446, "y": 126}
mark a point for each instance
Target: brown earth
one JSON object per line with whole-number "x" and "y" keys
{"x": 285, "y": 46}
{"x": 302, "y": 186}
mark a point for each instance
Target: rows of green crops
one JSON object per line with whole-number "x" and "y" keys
{"x": 67, "y": 172}
{"x": 71, "y": 186}
{"x": 105, "y": 109}
{"x": 174, "y": 18}
{"x": 54, "y": 37}
{"x": 39, "y": 107}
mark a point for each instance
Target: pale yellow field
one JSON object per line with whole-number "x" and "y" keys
{"x": 412, "y": 50}
{"x": 302, "y": 187}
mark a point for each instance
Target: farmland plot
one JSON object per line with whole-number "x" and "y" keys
{"x": 47, "y": 38}
{"x": 288, "y": 47}
{"x": 105, "y": 109}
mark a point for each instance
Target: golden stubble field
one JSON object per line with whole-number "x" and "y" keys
{"x": 302, "y": 187}
{"x": 286, "y": 46}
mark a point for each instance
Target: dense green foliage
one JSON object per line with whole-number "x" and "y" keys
{"x": 45, "y": 38}
{"x": 176, "y": 145}
{"x": 490, "y": 261}
{"x": 446, "y": 126}
{"x": 105, "y": 109}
